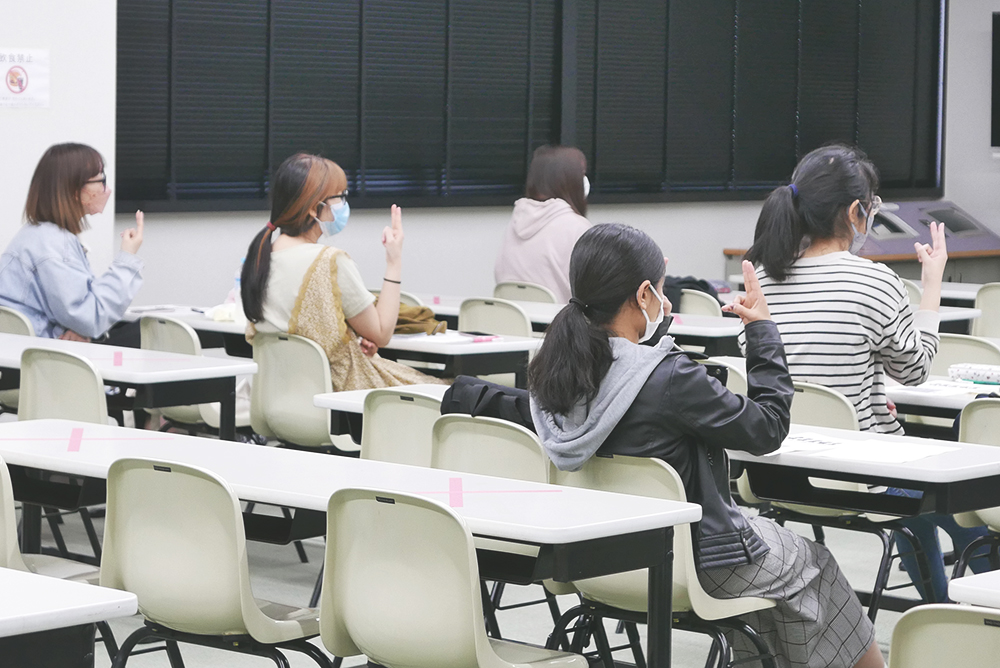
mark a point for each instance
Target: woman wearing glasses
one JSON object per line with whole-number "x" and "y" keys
{"x": 44, "y": 272}
{"x": 846, "y": 322}
{"x": 292, "y": 283}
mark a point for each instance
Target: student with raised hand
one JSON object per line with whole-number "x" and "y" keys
{"x": 292, "y": 283}
{"x": 846, "y": 322}
{"x": 44, "y": 272}
{"x": 547, "y": 221}
{"x": 595, "y": 390}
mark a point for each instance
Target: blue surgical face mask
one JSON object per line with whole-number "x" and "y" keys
{"x": 341, "y": 212}
{"x": 860, "y": 238}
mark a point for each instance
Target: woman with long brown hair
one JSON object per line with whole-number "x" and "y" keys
{"x": 44, "y": 272}
{"x": 292, "y": 283}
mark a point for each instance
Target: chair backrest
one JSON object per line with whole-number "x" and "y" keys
{"x": 913, "y": 291}
{"x": 401, "y": 583}
{"x": 960, "y": 348}
{"x": 15, "y": 322}
{"x": 980, "y": 418}
{"x": 174, "y": 537}
{"x": 407, "y": 298}
{"x": 696, "y": 302}
{"x": 820, "y": 406}
{"x": 291, "y": 370}
{"x": 172, "y": 336}
{"x": 10, "y": 553}
{"x": 488, "y": 446}
{"x": 930, "y": 636}
{"x": 736, "y": 379}
{"x": 60, "y": 384}
{"x": 648, "y": 476}
{"x": 524, "y": 292}
{"x": 493, "y": 316}
{"x": 988, "y": 301}
{"x": 397, "y": 426}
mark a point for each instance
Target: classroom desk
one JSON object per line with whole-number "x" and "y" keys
{"x": 982, "y": 589}
{"x": 49, "y": 621}
{"x": 580, "y": 533}
{"x": 957, "y": 294}
{"x": 212, "y": 333}
{"x": 159, "y": 379}
{"x": 346, "y": 408}
{"x": 939, "y": 397}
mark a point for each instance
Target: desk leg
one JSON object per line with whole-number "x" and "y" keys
{"x": 227, "y": 412}
{"x": 661, "y": 608}
{"x": 31, "y": 528}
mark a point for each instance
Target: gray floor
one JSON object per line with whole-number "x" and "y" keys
{"x": 277, "y": 574}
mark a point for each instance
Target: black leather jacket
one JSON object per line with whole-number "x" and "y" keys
{"x": 688, "y": 419}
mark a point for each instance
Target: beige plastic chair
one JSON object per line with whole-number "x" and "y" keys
{"x": 397, "y": 426}
{"x": 913, "y": 290}
{"x": 960, "y": 348}
{"x": 174, "y": 537}
{"x": 488, "y": 446}
{"x": 291, "y": 370}
{"x": 979, "y": 424}
{"x": 59, "y": 384}
{"x": 932, "y": 636}
{"x": 401, "y": 586}
{"x": 174, "y": 336}
{"x": 696, "y": 302}
{"x": 407, "y": 298}
{"x": 651, "y": 477}
{"x": 12, "y": 322}
{"x": 493, "y": 316}
{"x": 988, "y": 301}
{"x": 524, "y": 292}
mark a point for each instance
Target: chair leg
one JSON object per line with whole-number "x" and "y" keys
{"x": 635, "y": 643}
{"x": 882, "y": 575}
{"x": 763, "y": 651}
{"x": 818, "y": 534}
{"x": 53, "y": 518}
{"x": 963, "y": 561}
{"x": 553, "y": 604}
{"x": 121, "y": 656}
{"x": 492, "y": 628}
{"x": 317, "y": 589}
{"x": 559, "y": 639}
{"x": 303, "y": 557}
{"x": 497, "y": 593}
{"x": 108, "y": 638}
{"x": 601, "y": 640}
{"x": 313, "y": 652}
{"x": 174, "y": 654}
{"x": 88, "y": 524}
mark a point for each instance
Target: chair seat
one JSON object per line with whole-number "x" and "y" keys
{"x": 529, "y": 655}
{"x": 64, "y": 569}
{"x": 287, "y": 622}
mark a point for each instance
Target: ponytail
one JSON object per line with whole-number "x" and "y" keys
{"x": 608, "y": 264}
{"x": 254, "y": 275}
{"x": 814, "y": 207}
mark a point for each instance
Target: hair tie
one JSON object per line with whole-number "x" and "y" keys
{"x": 794, "y": 189}
{"x": 576, "y": 302}
{"x": 271, "y": 226}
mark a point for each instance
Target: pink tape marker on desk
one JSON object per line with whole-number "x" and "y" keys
{"x": 436, "y": 300}
{"x": 118, "y": 358}
{"x": 484, "y": 339}
{"x": 75, "y": 438}
{"x": 455, "y": 492}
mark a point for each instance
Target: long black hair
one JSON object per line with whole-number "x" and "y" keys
{"x": 813, "y": 207}
{"x": 608, "y": 264}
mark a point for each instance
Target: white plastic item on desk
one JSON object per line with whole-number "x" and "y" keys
{"x": 984, "y": 373}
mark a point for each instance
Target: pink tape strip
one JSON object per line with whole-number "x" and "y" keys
{"x": 118, "y": 358}
{"x": 75, "y": 437}
{"x": 455, "y": 492}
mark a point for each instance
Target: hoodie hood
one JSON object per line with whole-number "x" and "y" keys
{"x": 571, "y": 439}
{"x": 530, "y": 215}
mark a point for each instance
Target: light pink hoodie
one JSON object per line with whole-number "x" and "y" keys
{"x": 538, "y": 243}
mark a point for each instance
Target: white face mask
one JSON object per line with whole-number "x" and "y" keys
{"x": 586, "y": 186}
{"x": 859, "y": 239}
{"x": 652, "y": 325}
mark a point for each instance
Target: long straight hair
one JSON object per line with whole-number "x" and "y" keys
{"x": 813, "y": 207}
{"x": 557, "y": 171}
{"x": 607, "y": 266}
{"x": 54, "y": 193}
{"x": 299, "y": 185}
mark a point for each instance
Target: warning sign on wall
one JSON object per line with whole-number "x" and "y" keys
{"x": 25, "y": 77}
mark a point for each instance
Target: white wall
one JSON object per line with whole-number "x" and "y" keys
{"x": 191, "y": 257}
{"x": 82, "y": 42}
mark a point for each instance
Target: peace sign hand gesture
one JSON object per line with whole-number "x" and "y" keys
{"x": 752, "y": 305}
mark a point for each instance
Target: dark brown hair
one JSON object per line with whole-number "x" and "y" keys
{"x": 299, "y": 185}
{"x": 557, "y": 171}
{"x": 54, "y": 194}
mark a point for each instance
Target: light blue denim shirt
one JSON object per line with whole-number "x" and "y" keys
{"x": 45, "y": 275}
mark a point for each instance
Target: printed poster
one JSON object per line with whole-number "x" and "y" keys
{"x": 25, "y": 77}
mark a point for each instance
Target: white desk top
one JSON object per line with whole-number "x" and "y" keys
{"x": 353, "y": 401}
{"x": 192, "y": 315}
{"x": 958, "y": 313}
{"x": 961, "y": 461}
{"x": 495, "y": 507}
{"x": 963, "y": 291}
{"x": 937, "y": 392}
{"x": 33, "y": 603}
{"x": 980, "y": 589}
{"x": 129, "y": 365}
{"x": 455, "y": 343}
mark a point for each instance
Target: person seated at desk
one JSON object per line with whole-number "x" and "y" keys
{"x": 297, "y": 285}
{"x": 546, "y": 222}
{"x": 846, "y": 321}
{"x": 594, "y": 390}
{"x": 44, "y": 272}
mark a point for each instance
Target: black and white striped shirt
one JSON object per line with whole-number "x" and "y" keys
{"x": 846, "y": 323}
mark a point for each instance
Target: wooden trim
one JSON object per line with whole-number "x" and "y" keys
{"x": 899, "y": 257}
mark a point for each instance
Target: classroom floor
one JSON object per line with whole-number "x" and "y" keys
{"x": 277, "y": 574}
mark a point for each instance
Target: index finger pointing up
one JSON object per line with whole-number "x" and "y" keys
{"x": 397, "y": 217}
{"x": 139, "y": 218}
{"x": 750, "y": 281}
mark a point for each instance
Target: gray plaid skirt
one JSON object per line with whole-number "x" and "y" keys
{"x": 818, "y": 620}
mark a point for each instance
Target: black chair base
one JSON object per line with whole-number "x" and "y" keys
{"x": 962, "y": 563}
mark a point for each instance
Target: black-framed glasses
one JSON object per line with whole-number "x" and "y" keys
{"x": 103, "y": 181}
{"x": 342, "y": 196}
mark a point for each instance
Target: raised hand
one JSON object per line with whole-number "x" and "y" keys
{"x": 392, "y": 237}
{"x": 132, "y": 237}
{"x": 933, "y": 257}
{"x": 751, "y": 306}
